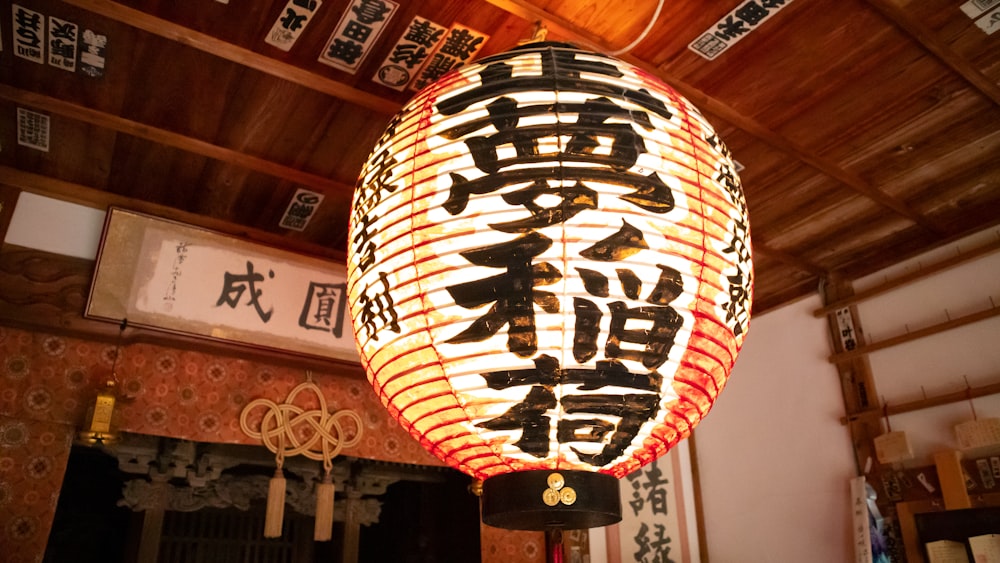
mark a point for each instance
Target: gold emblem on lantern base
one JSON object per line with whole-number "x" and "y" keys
{"x": 558, "y": 492}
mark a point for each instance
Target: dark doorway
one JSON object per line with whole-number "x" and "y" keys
{"x": 89, "y": 526}
{"x": 428, "y": 516}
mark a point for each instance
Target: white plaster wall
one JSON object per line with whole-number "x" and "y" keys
{"x": 56, "y": 226}
{"x": 773, "y": 457}
{"x": 946, "y": 362}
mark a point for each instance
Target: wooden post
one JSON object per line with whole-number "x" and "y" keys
{"x": 952, "y": 479}
{"x": 352, "y": 529}
{"x": 152, "y": 521}
{"x": 857, "y": 382}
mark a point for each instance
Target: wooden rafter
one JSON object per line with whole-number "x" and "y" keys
{"x": 712, "y": 105}
{"x": 521, "y": 8}
{"x": 915, "y": 335}
{"x": 911, "y": 277}
{"x": 236, "y": 54}
{"x": 789, "y": 259}
{"x": 169, "y": 138}
{"x": 929, "y": 41}
{"x": 967, "y": 394}
{"x": 100, "y": 199}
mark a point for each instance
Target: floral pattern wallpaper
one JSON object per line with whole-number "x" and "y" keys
{"x": 33, "y": 457}
{"x": 499, "y": 545}
{"x": 47, "y": 382}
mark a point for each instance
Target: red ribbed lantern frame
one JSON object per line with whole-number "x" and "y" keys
{"x": 549, "y": 265}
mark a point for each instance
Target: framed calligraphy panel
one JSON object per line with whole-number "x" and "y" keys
{"x": 169, "y": 276}
{"x": 659, "y": 522}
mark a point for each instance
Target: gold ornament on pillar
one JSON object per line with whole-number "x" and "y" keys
{"x": 322, "y": 438}
{"x": 100, "y": 425}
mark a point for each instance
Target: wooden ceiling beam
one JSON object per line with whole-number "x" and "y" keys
{"x": 930, "y": 42}
{"x": 704, "y": 102}
{"x": 100, "y": 199}
{"x": 172, "y": 139}
{"x": 789, "y": 259}
{"x": 750, "y": 126}
{"x": 233, "y": 53}
{"x": 529, "y": 12}
{"x": 912, "y": 277}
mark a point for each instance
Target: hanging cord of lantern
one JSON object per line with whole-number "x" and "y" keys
{"x": 538, "y": 35}
{"x": 645, "y": 32}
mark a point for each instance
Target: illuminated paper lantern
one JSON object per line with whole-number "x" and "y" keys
{"x": 550, "y": 275}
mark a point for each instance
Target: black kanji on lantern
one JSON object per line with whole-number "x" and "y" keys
{"x": 738, "y": 306}
{"x": 530, "y": 415}
{"x": 604, "y": 141}
{"x": 512, "y": 293}
{"x": 378, "y": 310}
{"x": 609, "y": 116}
{"x": 572, "y": 200}
{"x": 374, "y": 184}
{"x": 656, "y": 340}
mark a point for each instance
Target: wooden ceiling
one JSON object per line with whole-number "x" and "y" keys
{"x": 869, "y": 130}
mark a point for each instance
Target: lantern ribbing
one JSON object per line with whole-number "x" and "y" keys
{"x": 549, "y": 265}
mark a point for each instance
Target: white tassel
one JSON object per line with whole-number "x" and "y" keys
{"x": 275, "y": 505}
{"x": 324, "y": 510}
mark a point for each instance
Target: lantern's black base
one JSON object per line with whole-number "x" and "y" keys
{"x": 547, "y": 499}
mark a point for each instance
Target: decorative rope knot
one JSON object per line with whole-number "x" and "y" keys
{"x": 277, "y": 427}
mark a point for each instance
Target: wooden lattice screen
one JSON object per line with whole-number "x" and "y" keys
{"x": 232, "y": 536}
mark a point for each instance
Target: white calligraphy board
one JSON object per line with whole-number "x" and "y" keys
{"x": 659, "y": 521}
{"x": 170, "y": 276}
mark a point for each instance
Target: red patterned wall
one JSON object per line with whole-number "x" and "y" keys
{"x": 502, "y": 546}
{"x": 33, "y": 456}
{"x": 47, "y": 381}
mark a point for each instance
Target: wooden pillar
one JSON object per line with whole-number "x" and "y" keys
{"x": 352, "y": 529}
{"x": 152, "y": 521}
{"x": 861, "y": 402}
{"x": 952, "y": 480}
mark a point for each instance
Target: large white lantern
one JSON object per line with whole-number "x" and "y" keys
{"x": 549, "y": 273}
